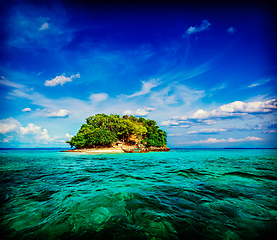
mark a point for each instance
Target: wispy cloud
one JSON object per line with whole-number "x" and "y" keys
{"x": 231, "y": 30}
{"x": 208, "y": 131}
{"x": 8, "y": 83}
{"x": 217, "y": 88}
{"x": 60, "y": 80}
{"x": 29, "y": 31}
{"x": 79, "y": 109}
{"x": 229, "y": 140}
{"x": 205, "y": 25}
{"x": 55, "y": 108}
{"x": 258, "y": 83}
{"x": 44, "y": 26}
{"x": 146, "y": 87}
{"x": 254, "y": 85}
{"x": 175, "y": 94}
{"x": 149, "y": 109}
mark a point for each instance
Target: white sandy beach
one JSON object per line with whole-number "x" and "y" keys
{"x": 103, "y": 151}
{"x": 98, "y": 150}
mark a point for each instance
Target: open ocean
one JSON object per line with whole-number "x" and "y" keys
{"x": 182, "y": 194}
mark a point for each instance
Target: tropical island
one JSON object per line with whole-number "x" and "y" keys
{"x": 113, "y": 133}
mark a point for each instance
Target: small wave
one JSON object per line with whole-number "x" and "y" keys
{"x": 187, "y": 172}
{"x": 264, "y": 169}
{"x": 37, "y": 177}
{"x": 42, "y": 196}
{"x": 80, "y": 180}
{"x": 129, "y": 176}
{"x": 250, "y": 175}
{"x": 101, "y": 170}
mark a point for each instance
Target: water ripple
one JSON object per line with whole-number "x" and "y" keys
{"x": 182, "y": 194}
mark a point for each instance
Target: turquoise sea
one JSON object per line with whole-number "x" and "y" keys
{"x": 182, "y": 194}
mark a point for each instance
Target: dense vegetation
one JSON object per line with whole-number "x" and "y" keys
{"x": 104, "y": 130}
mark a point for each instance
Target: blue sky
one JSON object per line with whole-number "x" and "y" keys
{"x": 205, "y": 73}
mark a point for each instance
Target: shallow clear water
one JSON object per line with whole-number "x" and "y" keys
{"x": 181, "y": 194}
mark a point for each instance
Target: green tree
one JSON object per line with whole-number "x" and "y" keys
{"x": 100, "y": 137}
{"x": 104, "y": 130}
{"x": 139, "y": 131}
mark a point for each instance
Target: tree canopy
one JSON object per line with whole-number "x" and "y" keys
{"x": 104, "y": 130}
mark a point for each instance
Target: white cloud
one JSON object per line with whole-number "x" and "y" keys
{"x": 200, "y": 114}
{"x": 41, "y": 135}
{"x": 28, "y": 134}
{"x": 209, "y": 122}
{"x": 251, "y": 107}
{"x": 214, "y": 140}
{"x": 270, "y": 131}
{"x": 252, "y": 139}
{"x": 9, "y": 125}
{"x": 139, "y": 112}
{"x": 99, "y": 97}
{"x": 169, "y": 123}
{"x": 68, "y": 136}
{"x": 35, "y": 131}
{"x": 13, "y": 125}
{"x": 61, "y": 139}
{"x": 30, "y": 129}
{"x": 205, "y": 25}
{"x": 146, "y": 87}
{"x": 26, "y": 110}
{"x": 58, "y": 114}
{"x": 149, "y": 109}
{"x": 44, "y": 135}
{"x": 60, "y": 80}
{"x": 175, "y": 117}
{"x": 174, "y": 134}
{"x": 231, "y": 30}
{"x": 236, "y": 109}
{"x": 209, "y": 130}
{"x": 44, "y": 26}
